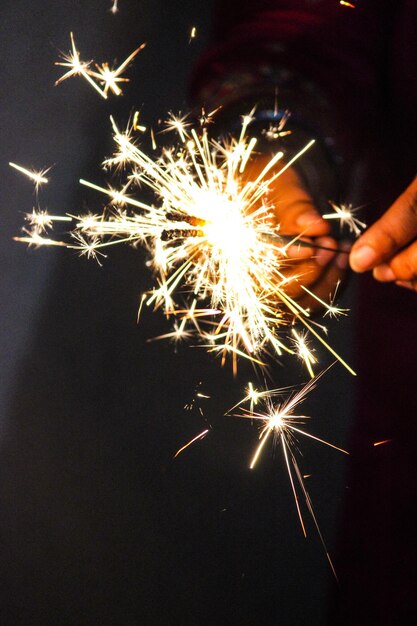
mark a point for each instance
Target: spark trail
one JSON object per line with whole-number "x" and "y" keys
{"x": 214, "y": 245}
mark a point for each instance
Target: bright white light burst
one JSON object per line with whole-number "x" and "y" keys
{"x": 213, "y": 242}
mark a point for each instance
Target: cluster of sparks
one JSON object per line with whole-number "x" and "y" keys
{"x": 275, "y": 413}
{"x": 279, "y": 422}
{"x": 220, "y": 262}
{"x": 99, "y": 76}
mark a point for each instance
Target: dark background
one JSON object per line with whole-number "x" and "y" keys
{"x": 98, "y": 523}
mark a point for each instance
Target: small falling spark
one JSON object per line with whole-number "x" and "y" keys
{"x": 193, "y": 34}
{"x": 39, "y": 178}
{"x": 154, "y": 144}
{"x": 197, "y": 438}
{"x": 345, "y": 214}
{"x": 347, "y": 4}
{"x": 381, "y": 443}
{"x": 135, "y": 124}
{"x": 115, "y": 7}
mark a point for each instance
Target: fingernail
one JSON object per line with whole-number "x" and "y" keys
{"x": 362, "y": 258}
{"x": 384, "y": 273}
{"x": 308, "y": 218}
{"x": 405, "y": 284}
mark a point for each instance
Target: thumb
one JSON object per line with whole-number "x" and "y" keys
{"x": 396, "y": 228}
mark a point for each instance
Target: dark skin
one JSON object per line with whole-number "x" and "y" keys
{"x": 388, "y": 248}
{"x": 295, "y": 212}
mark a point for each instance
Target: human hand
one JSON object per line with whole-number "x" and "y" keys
{"x": 389, "y": 247}
{"x": 319, "y": 270}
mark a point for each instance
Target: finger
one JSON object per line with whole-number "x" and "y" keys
{"x": 297, "y": 274}
{"x": 412, "y": 284}
{"x": 305, "y": 273}
{"x": 396, "y": 228}
{"x": 294, "y": 207}
{"x": 402, "y": 267}
{"x": 324, "y": 287}
{"x": 320, "y": 249}
{"x": 299, "y": 251}
{"x": 323, "y": 257}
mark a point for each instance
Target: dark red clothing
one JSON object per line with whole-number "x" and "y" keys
{"x": 352, "y": 73}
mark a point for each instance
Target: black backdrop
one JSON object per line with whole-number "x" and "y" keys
{"x": 98, "y": 524}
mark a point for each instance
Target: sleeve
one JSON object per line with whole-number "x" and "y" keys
{"x": 320, "y": 60}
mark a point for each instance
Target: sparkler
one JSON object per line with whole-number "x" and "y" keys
{"x": 213, "y": 241}
{"x": 109, "y": 79}
{"x": 278, "y": 421}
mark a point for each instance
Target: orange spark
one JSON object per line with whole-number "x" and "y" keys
{"x": 200, "y": 436}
